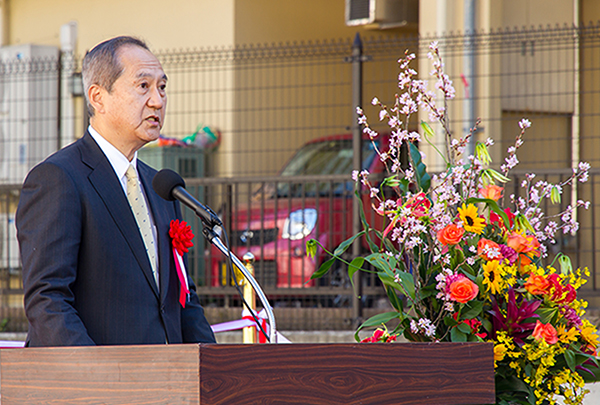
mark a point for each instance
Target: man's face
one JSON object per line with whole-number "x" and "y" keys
{"x": 135, "y": 108}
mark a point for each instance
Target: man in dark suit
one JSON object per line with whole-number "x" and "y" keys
{"x": 98, "y": 268}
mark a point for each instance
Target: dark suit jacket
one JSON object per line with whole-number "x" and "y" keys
{"x": 86, "y": 275}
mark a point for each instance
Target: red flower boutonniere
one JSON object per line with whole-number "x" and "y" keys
{"x": 181, "y": 238}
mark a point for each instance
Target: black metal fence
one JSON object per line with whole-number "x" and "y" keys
{"x": 268, "y": 100}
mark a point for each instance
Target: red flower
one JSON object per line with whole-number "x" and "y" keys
{"x": 461, "y": 289}
{"x": 537, "y": 285}
{"x": 181, "y": 236}
{"x": 495, "y": 218}
{"x": 379, "y": 336}
{"x": 450, "y": 235}
{"x": 474, "y": 323}
{"x": 545, "y": 332}
{"x": 559, "y": 293}
{"x": 419, "y": 205}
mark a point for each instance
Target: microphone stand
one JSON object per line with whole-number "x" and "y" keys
{"x": 212, "y": 237}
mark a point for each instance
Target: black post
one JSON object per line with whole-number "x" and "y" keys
{"x": 357, "y": 61}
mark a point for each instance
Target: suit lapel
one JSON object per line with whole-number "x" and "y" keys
{"x": 105, "y": 182}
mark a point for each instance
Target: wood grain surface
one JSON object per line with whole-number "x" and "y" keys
{"x": 137, "y": 375}
{"x": 406, "y": 373}
{"x": 419, "y": 374}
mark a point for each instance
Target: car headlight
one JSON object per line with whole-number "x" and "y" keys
{"x": 299, "y": 224}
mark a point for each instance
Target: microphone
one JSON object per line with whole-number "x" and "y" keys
{"x": 170, "y": 186}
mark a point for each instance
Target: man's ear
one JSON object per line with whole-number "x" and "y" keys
{"x": 96, "y": 98}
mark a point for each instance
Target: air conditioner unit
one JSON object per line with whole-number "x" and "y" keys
{"x": 28, "y": 108}
{"x": 382, "y": 14}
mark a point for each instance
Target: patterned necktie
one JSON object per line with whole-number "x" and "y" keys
{"x": 142, "y": 217}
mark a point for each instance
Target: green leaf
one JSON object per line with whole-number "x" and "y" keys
{"x": 570, "y": 358}
{"x": 486, "y": 324}
{"x": 406, "y": 285}
{"x": 366, "y": 227}
{"x": 427, "y": 292}
{"x": 391, "y": 181}
{"x": 382, "y": 261}
{"x": 407, "y": 282}
{"x": 377, "y": 320}
{"x": 457, "y": 336}
{"x": 464, "y": 328}
{"x": 587, "y": 377}
{"x": 346, "y": 244}
{"x": 449, "y": 321}
{"x": 421, "y": 175}
{"x": 355, "y": 265}
{"x": 457, "y": 256}
{"x": 395, "y": 301}
{"x": 323, "y": 269}
{"x": 492, "y": 176}
{"x": 404, "y": 183}
{"x": 521, "y": 222}
{"x": 511, "y": 384}
{"x": 389, "y": 270}
{"x": 472, "y": 309}
{"x": 469, "y": 271}
{"x": 546, "y": 314}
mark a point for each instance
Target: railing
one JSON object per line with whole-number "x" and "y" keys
{"x": 267, "y": 100}
{"x": 255, "y": 219}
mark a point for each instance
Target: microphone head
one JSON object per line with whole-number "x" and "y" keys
{"x": 165, "y": 181}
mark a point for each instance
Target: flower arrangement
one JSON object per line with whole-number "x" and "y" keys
{"x": 461, "y": 261}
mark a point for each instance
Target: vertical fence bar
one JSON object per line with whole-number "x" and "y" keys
{"x": 357, "y": 49}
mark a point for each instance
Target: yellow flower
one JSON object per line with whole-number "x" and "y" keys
{"x": 589, "y": 333}
{"x": 493, "y": 276}
{"x": 471, "y": 221}
{"x": 566, "y": 336}
{"x": 499, "y": 352}
{"x": 530, "y": 269}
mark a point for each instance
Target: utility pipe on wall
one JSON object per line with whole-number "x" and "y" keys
{"x": 575, "y": 120}
{"x": 469, "y": 72}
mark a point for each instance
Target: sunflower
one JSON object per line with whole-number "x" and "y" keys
{"x": 493, "y": 276}
{"x": 471, "y": 221}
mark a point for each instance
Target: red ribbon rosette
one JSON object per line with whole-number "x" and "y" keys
{"x": 181, "y": 238}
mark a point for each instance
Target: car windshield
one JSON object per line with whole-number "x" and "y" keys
{"x": 323, "y": 158}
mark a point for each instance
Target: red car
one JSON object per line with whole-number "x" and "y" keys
{"x": 280, "y": 218}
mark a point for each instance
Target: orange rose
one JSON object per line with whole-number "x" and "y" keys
{"x": 450, "y": 235}
{"x": 523, "y": 244}
{"x": 462, "y": 289}
{"x": 489, "y": 250}
{"x": 492, "y": 192}
{"x": 537, "y": 285}
{"x": 516, "y": 241}
{"x": 546, "y": 332}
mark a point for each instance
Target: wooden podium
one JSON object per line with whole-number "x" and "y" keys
{"x": 400, "y": 373}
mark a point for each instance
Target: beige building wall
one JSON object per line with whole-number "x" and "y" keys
{"x": 440, "y": 17}
{"x": 174, "y": 24}
{"x": 191, "y": 24}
